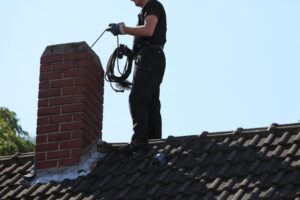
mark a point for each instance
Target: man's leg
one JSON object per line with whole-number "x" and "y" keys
{"x": 139, "y": 113}
{"x": 155, "y": 129}
{"x": 139, "y": 98}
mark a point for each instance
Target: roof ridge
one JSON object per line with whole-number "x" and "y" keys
{"x": 219, "y": 134}
{"x": 17, "y": 157}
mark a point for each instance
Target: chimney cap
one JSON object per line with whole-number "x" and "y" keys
{"x": 70, "y": 48}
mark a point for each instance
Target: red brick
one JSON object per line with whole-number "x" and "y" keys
{"x": 42, "y": 121}
{"x": 82, "y": 63}
{"x": 79, "y": 116}
{"x": 95, "y": 96}
{"x": 76, "y": 152}
{"x": 77, "y": 134}
{"x": 48, "y": 111}
{"x": 61, "y": 100}
{"x": 69, "y": 161}
{"x": 41, "y": 139}
{"x": 90, "y": 82}
{"x": 40, "y": 156}
{"x": 59, "y": 136}
{"x": 79, "y": 98}
{"x": 92, "y": 103}
{"x": 47, "y": 164}
{"x": 60, "y": 119}
{"x": 62, "y": 66}
{"x": 93, "y": 86}
{"x": 52, "y": 137}
{"x": 50, "y": 76}
{"x": 43, "y": 103}
{"x": 49, "y": 93}
{"x": 62, "y": 83}
{"x": 45, "y": 68}
{"x": 46, "y": 147}
{"x": 80, "y": 80}
{"x": 47, "y": 129}
{"x": 93, "y": 129}
{"x": 50, "y": 59}
{"x": 68, "y": 57}
{"x": 74, "y": 73}
{"x": 93, "y": 114}
{"x": 88, "y": 138}
{"x": 81, "y": 55}
{"x": 58, "y": 154}
{"x": 70, "y": 126}
{"x": 72, "y": 108}
{"x": 71, "y": 144}
{"x": 73, "y": 90}
{"x": 44, "y": 85}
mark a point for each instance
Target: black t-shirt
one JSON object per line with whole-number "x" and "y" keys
{"x": 153, "y": 7}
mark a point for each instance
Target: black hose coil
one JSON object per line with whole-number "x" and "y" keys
{"x": 121, "y": 81}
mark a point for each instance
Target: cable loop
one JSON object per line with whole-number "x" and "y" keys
{"x": 121, "y": 81}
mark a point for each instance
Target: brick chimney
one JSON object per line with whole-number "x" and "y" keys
{"x": 70, "y": 104}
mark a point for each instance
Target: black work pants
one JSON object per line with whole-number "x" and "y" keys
{"x": 144, "y": 96}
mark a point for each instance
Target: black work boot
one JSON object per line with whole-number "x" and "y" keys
{"x": 134, "y": 146}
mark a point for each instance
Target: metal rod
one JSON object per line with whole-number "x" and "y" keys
{"x": 98, "y": 38}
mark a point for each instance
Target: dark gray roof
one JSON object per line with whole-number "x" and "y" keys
{"x": 261, "y": 163}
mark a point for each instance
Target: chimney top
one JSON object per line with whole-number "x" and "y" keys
{"x": 69, "y": 48}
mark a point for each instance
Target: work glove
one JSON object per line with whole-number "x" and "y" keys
{"x": 116, "y": 29}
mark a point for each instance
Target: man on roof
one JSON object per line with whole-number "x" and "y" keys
{"x": 149, "y": 40}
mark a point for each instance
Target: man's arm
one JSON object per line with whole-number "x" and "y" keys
{"x": 145, "y": 30}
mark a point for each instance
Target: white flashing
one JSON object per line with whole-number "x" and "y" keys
{"x": 88, "y": 162}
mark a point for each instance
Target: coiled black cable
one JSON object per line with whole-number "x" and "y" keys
{"x": 121, "y": 81}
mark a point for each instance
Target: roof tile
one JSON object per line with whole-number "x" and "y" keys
{"x": 286, "y": 163}
{"x": 214, "y": 185}
{"x": 208, "y": 196}
{"x": 185, "y": 186}
{"x": 237, "y": 143}
{"x": 154, "y": 189}
{"x": 105, "y": 181}
{"x": 13, "y": 180}
{"x": 268, "y": 193}
{"x": 291, "y": 150}
{"x": 179, "y": 197}
{"x": 51, "y": 197}
{"x": 239, "y": 194}
{"x": 297, "y": 153}
{"x": 282, "y": 140}
{"x": 231, "y": 156}
{"x": 210, "y": 144}
{"x": 66, "y": 196}
{"x": 193, "y": 197}
{"x": 27, "y": 191}
{"x": 254, "y": 194}
{"x": 223, "y": 169}
{"x": 8, "y": 169}
{"x": 224, "y": 195}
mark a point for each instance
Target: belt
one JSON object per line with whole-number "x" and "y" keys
{"x": 156, "y": 46}
{"x": 139, "y": 48}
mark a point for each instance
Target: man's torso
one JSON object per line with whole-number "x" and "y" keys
{"x": 153, "y": 7}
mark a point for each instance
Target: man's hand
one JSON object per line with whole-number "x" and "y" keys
{"x": 116, "y": 29}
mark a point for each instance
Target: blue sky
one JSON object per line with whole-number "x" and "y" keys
{"x": 230, "y": 63}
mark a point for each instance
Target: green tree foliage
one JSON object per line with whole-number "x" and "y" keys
{"x": 12, "y": 137}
